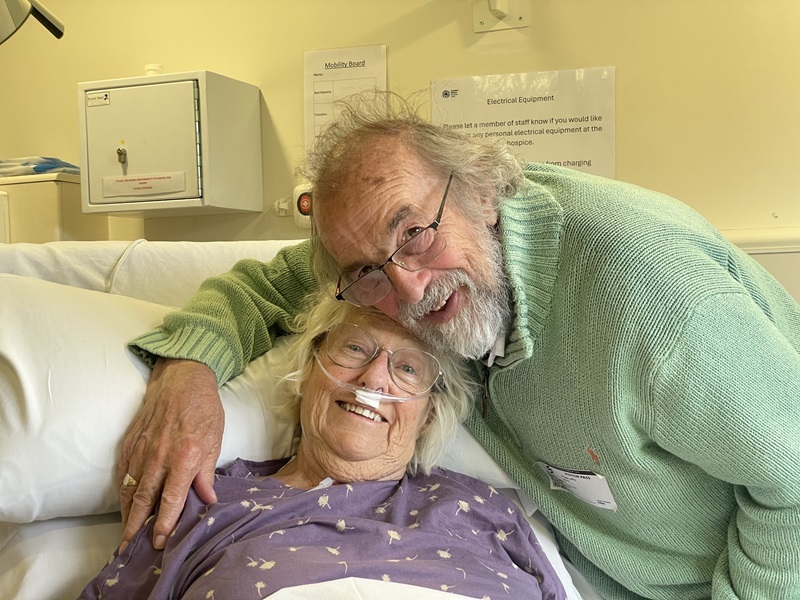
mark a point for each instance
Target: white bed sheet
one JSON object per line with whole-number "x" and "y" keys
{"x": 354, "y": 588}
{"x": 55, "y": 559}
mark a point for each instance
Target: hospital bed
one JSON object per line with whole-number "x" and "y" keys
{"x": 69, "y": 389}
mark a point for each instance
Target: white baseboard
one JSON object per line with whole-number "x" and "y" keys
{"x": 771, "y": 240}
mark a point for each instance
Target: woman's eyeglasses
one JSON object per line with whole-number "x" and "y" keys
{"x": 412, "y": 370}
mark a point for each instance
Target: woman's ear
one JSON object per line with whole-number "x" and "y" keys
{"x": 303, "y": 383}
{"x": 429, "y": 417}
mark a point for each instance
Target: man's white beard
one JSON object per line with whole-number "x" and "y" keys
{"x": 484, "y": 312}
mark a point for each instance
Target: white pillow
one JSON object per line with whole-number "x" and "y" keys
{"x": 69, "y": 389}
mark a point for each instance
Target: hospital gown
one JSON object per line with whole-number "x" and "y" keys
{"x": 445, "y": 531}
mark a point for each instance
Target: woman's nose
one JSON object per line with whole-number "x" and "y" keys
{"x": 376, "y": 375}
{"x": 409, "y": 286}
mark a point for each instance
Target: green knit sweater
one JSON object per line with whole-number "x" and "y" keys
{"x": 645, "y": 348}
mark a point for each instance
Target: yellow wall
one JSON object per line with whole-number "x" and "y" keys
{"x": 707, "y": 103}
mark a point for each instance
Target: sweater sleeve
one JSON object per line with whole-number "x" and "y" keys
{"x": 728, "y": 401}
{"x": 234, "y": 317}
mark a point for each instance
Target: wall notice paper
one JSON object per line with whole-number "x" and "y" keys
{"x": 331, "y": 75}
{"x": 144, "y": 185}
{"x": 564, "y": 118}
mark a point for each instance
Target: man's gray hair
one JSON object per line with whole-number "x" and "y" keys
{"x": 450, "y": 399}
{"x": 481, "y": 169}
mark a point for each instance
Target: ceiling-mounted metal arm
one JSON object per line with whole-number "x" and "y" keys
{"x": 13, "y": 14}
{"x": 46, "y": 18}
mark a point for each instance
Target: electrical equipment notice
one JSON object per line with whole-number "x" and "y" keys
{"x": 564, "y": 118}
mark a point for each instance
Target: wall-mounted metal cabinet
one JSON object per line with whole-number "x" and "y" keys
{"x": 172, "y": 144}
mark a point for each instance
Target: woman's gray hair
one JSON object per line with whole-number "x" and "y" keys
{"x": 481, "y": 168}
{"x": 450, "y": 399}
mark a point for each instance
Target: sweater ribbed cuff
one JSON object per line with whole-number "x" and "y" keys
{"x": 190, "y": 344}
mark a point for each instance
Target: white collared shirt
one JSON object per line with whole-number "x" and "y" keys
{"x": 499, "y": 348}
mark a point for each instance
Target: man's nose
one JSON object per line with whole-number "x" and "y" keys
{"x": 409, "y": 286}
{"x": 376, "y": 376}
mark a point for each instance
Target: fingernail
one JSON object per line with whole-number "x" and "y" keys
{"x": 160, "y": 542}
{"x": 122, "y": 547}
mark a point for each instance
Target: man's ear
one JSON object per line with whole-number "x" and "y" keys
{"x": 490, "y": 215}
{"x": 488, "y": 205}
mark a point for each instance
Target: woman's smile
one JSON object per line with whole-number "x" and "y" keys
{"x": 357, "y": 409}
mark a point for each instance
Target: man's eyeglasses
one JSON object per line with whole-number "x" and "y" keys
{"x": 417, "y": 253}
{"x": 412, "y": 370}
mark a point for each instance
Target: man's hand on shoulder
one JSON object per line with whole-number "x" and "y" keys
{"x": 173, "y": 443}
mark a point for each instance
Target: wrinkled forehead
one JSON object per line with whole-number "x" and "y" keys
{"x": 358, "y": 218}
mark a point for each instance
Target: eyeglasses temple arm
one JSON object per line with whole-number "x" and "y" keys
{"x": 444, "y": 198}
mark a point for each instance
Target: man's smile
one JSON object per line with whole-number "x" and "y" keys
{"x": 446, "y": 309}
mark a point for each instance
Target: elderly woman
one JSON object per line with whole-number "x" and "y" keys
{"x": 360, "y": 498}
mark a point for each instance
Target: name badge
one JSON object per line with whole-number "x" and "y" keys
{"x": 584, "y": 485}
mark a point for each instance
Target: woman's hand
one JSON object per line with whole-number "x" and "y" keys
{"x": 174, "y": 442}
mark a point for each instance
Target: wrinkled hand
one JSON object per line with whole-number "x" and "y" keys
{"x": 173, "y": 443}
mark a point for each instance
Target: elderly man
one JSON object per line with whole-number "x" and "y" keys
{"x": 640, "y": 374}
